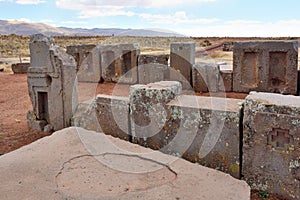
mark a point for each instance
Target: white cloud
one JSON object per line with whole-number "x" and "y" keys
{"x": 75, "y": 4}
{"x": 99, "y": 8}
{"x": 24, "y": 2}
{"x": 73, "y": 22}
{"x": 245, "y": 28}
{"x": 46, "y": 21}
{"x": 24, "y": 20}
{"x": 179, "y": 17}
{"x": 34, "y": 2}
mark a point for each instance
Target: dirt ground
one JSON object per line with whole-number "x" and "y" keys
{"x": 15, "y": 102}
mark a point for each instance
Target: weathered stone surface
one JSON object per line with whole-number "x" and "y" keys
{"x": 205, "y": 77}
{"x": 88, "y": 63}
{"x": 39, "y": 51}
{"x": 182, "y": 58}
{"x": 52, "y": 84}
{"x": 149, "y": 116}
{"x": 271, "y": 143}
{"x": 265, "y": 66}
{"x": 298, "y": 82}
{"x": 153, "y": 72}
{"x": 119, "y": 62}
{"x": 85, "y": 116}
{"x": 20, "y": 68}
{"x": 153, "y": 68}
{"x": 208, "y": 131}
{"x": 113, "y": 116}
{"x": 149, "y": 59}
{"x": 78, "y": 164}
{"x": 225, "y": 81}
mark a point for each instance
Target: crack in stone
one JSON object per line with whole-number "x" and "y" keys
{"x": 105, "y": 154}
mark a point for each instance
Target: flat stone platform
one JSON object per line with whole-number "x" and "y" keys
{"x": 84, "y": 165}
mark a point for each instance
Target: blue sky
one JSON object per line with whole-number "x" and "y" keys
{"x": 190, "y": 17}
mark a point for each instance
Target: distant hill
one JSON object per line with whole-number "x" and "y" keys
{"x": 29, "y": 28}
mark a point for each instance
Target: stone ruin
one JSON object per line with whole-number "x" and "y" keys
{"x": 52, "y": 85}
{"x": 256, "y": 139}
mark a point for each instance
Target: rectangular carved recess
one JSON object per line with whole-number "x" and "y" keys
{"x": 277, "y": 69}
{"x": 280, "y": 138}
{"x": 126, "y": 64}
{"x": 111, "y": 63}
{"x": 43, "y": 112}
{"x": 249, "y": 70}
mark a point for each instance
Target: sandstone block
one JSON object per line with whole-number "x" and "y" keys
{"x": 20, "y": 68}
{"x": 205, "y": 77}
{"x": 265, "y": 66}
{"x": 113, "y": 116}
{"x": 182, "y": 58}
{"x": 149, "y": 116}
{"x": 271, "y": 143}
{"x": 208, "y": 132}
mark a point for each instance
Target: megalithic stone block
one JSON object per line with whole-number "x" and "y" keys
{"x": 119, "y": 63}
{"x": 52, "y": 85}
{"x": 208, "y": 131}
{"x": 271, "y": 141}
{"x": 88, "y": 62}
{"x": 265, "y": 66}
{"x": 150, "y": 120}
{"x": 113, "y": 116}
{"x": 182, "y": 58}
{"x": 206, "y": 77}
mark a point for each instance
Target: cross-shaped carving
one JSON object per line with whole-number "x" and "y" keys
{"x": 279, "y": 138}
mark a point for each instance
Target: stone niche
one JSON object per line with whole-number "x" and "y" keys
{"x": 265, "y": 66}
{"x": 153, "y": 68}
{"x": 182, "y": 58}
{"x": 88, "y": 62}
{"x": 119, "y": 63}
{"x": 271, "y": 143}
{"x": 52, "y": 85}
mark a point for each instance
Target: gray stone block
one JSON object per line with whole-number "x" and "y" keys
{"x": 20, "y": 68}
{"x": 52, "y": 84}
{"x": 113, "y": 116}
{"x": 154, "y": 72}
{"x": 225, "y": 81}
{"x": 265, "y": 66}
{"x": 149, "y": 59}
{"x": 205, "y": 77}
{"x": 208, "y": 132}
{"x": 85, "y": 116}
{"x": 149, "y": 115}
{"x": 119, "y": 62}
{"x": 271, "y": 143}
{"x": 182, "y": 58}
{"x": 88, "y": 62}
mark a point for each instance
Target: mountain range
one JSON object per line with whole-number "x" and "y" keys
{"x": 29, "y": 28}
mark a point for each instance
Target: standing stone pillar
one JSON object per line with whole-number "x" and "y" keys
{"x": 52, "y": 85}
{"x": 182, "y": 58}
